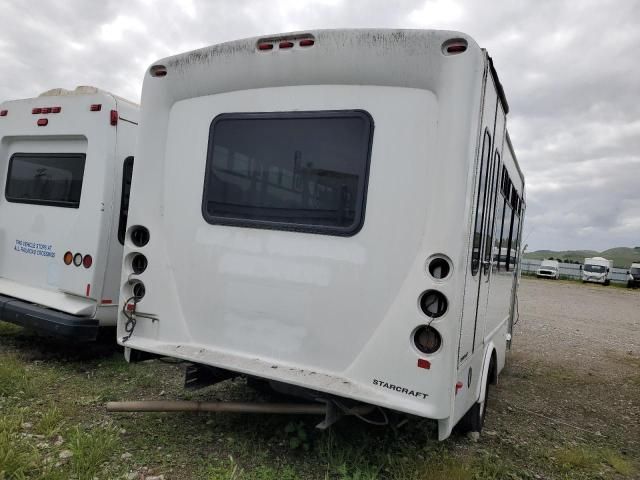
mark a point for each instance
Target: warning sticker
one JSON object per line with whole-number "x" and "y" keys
{"x": 34, "y": 248}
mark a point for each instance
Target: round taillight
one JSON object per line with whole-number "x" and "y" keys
{"x": 439, "y": 268}
{"x": 87, "y": 261}
{"x": 427, "y": 339}
{"x": 140, "y": 236}
{"x": 139, "y": 290}
{"x": 77, "y": 259}
{"x": 68, "y": 258}
{"x": 139, "y": 263}
{"x": 433, "y": 303}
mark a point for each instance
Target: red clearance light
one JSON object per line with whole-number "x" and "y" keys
{"x": 56, "y": 109}
{"x": 3, "y": 113}
{"x": 114, "y": 117}
{"x": 265, "y": 46}
{"x": 36, "y": 111}
{"x": 456, "y": 48}
{"x": 96, "y": 107}
{"x": 42, "y": 122}
{"x": 87, "y": 261}
{"x": 285, "y": 45}
{"x": 307, "y": 42}
{"x": 424, "y": 363}
{"x": 46, "y": 110}
{"x": 158, "y": 71}
{"x": 459, "y": 386}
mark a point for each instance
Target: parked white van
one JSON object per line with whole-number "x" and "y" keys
{"x": 67, "y": 159}
{"x": 322, "y": 211}
{"x": 597, "y": 270}
{"x": 633, "y": 276}
{"x": 549, "y": 269}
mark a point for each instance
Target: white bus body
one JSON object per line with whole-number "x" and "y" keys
{"x": 273, "y": 270}
{"x": 63, "y": 155}
{"x": 549, "y": 269}
{"x": 597, "y": 270}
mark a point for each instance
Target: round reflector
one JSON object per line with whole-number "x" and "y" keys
{"x": 68, "y": 258}
{"x": 77, "y": 259}
{"x": 427, "y": 339}
{"x": 87, "y": 261}
{"x": 433, "y": 303}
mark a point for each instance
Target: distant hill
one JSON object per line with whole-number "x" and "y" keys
{"x": 622, "y": 256}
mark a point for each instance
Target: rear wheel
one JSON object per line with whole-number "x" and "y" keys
{"x": 473, "y": 420}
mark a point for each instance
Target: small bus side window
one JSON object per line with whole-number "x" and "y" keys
{"x": 483, "y": 171}
{"x": 127, "y": 172}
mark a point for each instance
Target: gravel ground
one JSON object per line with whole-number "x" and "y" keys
{"x": 573, "y": 375}
{"x": 575, "y": 323}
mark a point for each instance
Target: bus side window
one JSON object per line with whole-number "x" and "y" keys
{"x": 127, "y": 172}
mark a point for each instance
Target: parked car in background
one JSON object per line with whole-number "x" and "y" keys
{"x": 597, "y": 270}
{"x": 549, "y": 269}
{"x": 633, "y": 276}
{"x": 67, "y": 158}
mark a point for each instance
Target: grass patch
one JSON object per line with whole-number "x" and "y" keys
{"x": 592, "y": 459}
{"x": 619, "y": 464}
{"x": 15, "y": 378}
{"x": 90, "y": 451}
{"x": 51, "y": 422}
{"x": 17, "y": 459}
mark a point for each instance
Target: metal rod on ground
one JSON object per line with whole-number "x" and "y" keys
{"x": 237, "y": 407}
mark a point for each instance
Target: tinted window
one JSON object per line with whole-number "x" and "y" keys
{"x": 127, "y": 172}
{"x": 45, "y": 179}
{"x": 506, "y": 252}
{"x": 304, "y": 171}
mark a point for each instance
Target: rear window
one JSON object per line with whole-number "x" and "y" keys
{"x": 45, "y": 179}
{"x": 303, "y": 171}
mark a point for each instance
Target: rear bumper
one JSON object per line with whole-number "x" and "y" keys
{"x": 47, "y": 321}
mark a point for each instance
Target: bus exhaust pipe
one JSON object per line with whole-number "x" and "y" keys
{"x": 330, "y": 410}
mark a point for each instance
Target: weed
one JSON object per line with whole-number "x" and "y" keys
{"x": 297, "y": 434}
{"x": 51, "y": 422}
{"x": 90, "y": 450}
{"x": 17, "y": 459}
{"x": 15, "y": 378}
{"x": 619, "y": 464}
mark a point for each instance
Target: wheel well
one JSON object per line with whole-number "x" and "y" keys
{"x": 493, "y": 368}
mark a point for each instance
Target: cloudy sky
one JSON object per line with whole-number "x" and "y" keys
{"x": 571, "y": 72}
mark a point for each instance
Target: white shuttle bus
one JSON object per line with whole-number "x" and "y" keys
{"x": 321, "y": 211}
{"x": 597, "y": 270}
{"x": 66, "y": 161}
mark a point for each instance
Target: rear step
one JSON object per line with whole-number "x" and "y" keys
{"x": 46, "y": 321}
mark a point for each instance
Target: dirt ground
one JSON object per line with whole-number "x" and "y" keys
{"x": 567, "y": 406}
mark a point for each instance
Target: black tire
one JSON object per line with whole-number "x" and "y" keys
{"x": 473, "y": 420}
